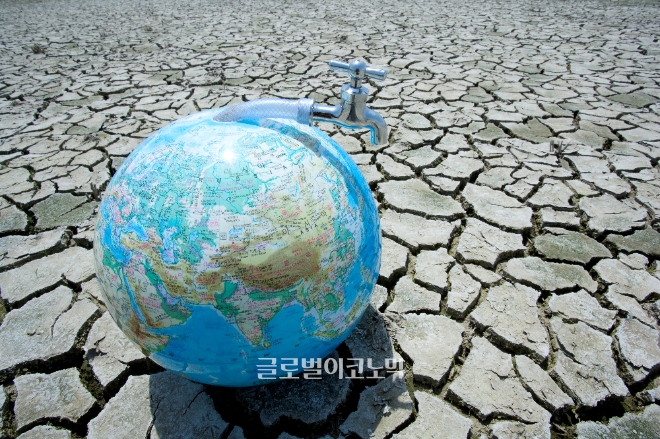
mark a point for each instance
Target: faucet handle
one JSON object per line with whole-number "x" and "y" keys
{"x": 358, "y": 71}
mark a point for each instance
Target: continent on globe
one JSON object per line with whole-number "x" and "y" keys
{"x": 221, "y": 243}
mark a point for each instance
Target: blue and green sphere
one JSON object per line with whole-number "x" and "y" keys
{"x": 218, "y": 244}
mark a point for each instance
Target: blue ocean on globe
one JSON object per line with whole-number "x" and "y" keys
{"x": 220, "y": 244}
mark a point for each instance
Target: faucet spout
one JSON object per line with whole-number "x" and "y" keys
{"x": 377, "y": 125}
{"x": 352, "y": 116}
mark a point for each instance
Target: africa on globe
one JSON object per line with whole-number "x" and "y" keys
{"x": 221, "y": 243}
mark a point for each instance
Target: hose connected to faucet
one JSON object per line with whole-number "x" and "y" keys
{"x": 351, "y": 113}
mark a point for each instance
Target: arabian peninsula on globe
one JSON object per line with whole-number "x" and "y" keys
{"x": 221, "y": 243}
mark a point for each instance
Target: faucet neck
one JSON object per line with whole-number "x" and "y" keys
{"x": 356, "y": 81}
{"x": 354, "y": 95}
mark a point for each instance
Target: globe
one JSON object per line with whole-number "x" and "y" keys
{"x": 222, "y": 247}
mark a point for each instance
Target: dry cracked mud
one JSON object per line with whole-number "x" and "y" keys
{"x": 519, "y": 193}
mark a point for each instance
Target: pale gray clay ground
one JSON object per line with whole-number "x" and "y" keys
{"x": 519, "y": 196}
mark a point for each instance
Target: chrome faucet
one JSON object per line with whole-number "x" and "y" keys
{"x": 353, "y": 111}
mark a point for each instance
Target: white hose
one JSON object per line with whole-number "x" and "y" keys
{"x": 299, "y": 110}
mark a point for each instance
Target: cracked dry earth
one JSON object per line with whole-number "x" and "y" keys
{"x": 519, "y": 198}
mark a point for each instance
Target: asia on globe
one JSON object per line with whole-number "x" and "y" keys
{"x": 221, "y": 243}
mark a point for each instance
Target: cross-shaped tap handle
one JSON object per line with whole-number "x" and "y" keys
{"x": 358, "y": 71}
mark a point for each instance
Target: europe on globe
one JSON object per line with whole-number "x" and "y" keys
{"x": 221, "y": 243}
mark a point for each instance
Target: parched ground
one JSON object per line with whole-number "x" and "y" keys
{"x": 519, "y": 198}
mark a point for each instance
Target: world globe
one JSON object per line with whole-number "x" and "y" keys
{"x": 221, "y": 247}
